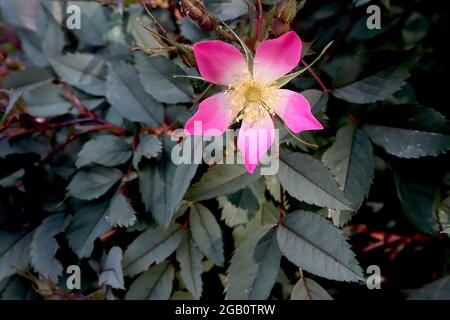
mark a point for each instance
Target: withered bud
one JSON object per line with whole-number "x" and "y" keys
{"x": 287, "y": 10}
{"x": 196, "y": 11}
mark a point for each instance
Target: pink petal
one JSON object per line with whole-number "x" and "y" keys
{"x": 275, "y": 58}
{"x": 218, "y": 61}
{"x": 212, "y": 118}
{"x": 255, "y": 138}
{"x": 295, "y": 111}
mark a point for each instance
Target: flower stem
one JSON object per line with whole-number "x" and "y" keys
{"x": 259, "y": 20}
{"x": 317, "y": 78}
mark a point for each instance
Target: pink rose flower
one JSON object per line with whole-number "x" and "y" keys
{"x": 250, "y": 95}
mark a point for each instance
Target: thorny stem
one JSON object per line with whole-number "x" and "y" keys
{"x": 317, "y": 78}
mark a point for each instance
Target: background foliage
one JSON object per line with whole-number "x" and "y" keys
{"x": 86, "y": 177}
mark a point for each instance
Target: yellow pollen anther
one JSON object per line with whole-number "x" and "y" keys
{"x": 250, "y": 98}
{"x": 253, "y": 94}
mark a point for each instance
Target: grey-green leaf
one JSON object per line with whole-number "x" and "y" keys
{"x": 308, "y": 180}
{"x": 126, "y": 94}
{"x": 206, "y": 233}
{"x": 93, "y": 18}
{"x": 44, "y": 247}
{"x": 28, "y": 78}
{"x": 406, "y": 142}
{"x": 190, "y": 259}
{"x": 149, "y": 147}
{"x": 374, "y": 88}
{"x": 156, "y": 74}
{"x": 254, "y": 266}
{"x": 82, "y": 70}
{"x": 419, "y": 202}
{"x": 94, "y": 182}
{"x": 436, "y": 290}
{"x": 162, "y": 187}
{"x": 86, "y": 226}
{"x": 307, "y": 289}
{"x": 350, "y": 159}
{"x": 315, "y": 245}
{"x": 112, "y": 274}
{"x": 14, "y": 252}
{"x": 14, "y": 96}
{"x": 154, "y": 284}
{"x": 105, "y": 150}
{"x": 48, "y": 100}
{"x": 154, "y": 245}
{"x": 220, "y": 180}
{"x": 120, "y": 213}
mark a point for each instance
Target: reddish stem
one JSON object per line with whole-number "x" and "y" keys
{"x": 259, "y": 20}
{"x": 317, "y": 78}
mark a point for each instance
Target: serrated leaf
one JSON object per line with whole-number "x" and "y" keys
{"x": 221, "y": 179}
{"x": 374, "y": 88}
{"x": 408, "y": 143}
{"x": 94, "y": 182}
{"x": 419, "y": 203}
{"x": 119, "y": 212}
{"x": 436, "y": 290}
{"x": 154, "y": 284}
{"x": 46, "y": 41}
{"x": 315, "y": 245}
{"x": 190, "y": 259}
{"x": 127, "y": 96}
{"x": 244, "y": 199}
{"x": 86, "y": 226}
{"x": 351, "y": 69}
{"x": 154, "y": 245}
{"x": 48, "y": 100}
{"x": 254, "y": 266}
{"x": 206, "y": 233}
{"x": 82, "y": 70}
{"x": 308, "y": 180}
{"x": 93, "y": 18}
{"x": 350, "y": 159}
{"x": 307, "y": 289}
{"x": 162, "y": 187}
{"x": 317, "y": 99}
{"x": 14, "y": 252}
{"x": 149, "y": 147}
{"x": 156, "y": 74}
{"x": 14, "y": 96}
{"x": 44, "y": 247}
{"x": 112, "y": 270}
{"x": 29, "y": 78}
{"x": 105, "y": 150}
{"x": 232, "y": 215}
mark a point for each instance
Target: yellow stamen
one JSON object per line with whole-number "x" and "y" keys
{"x": 250, "y": 98}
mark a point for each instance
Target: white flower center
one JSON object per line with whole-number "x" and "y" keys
{"x": 250, "y": 98}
